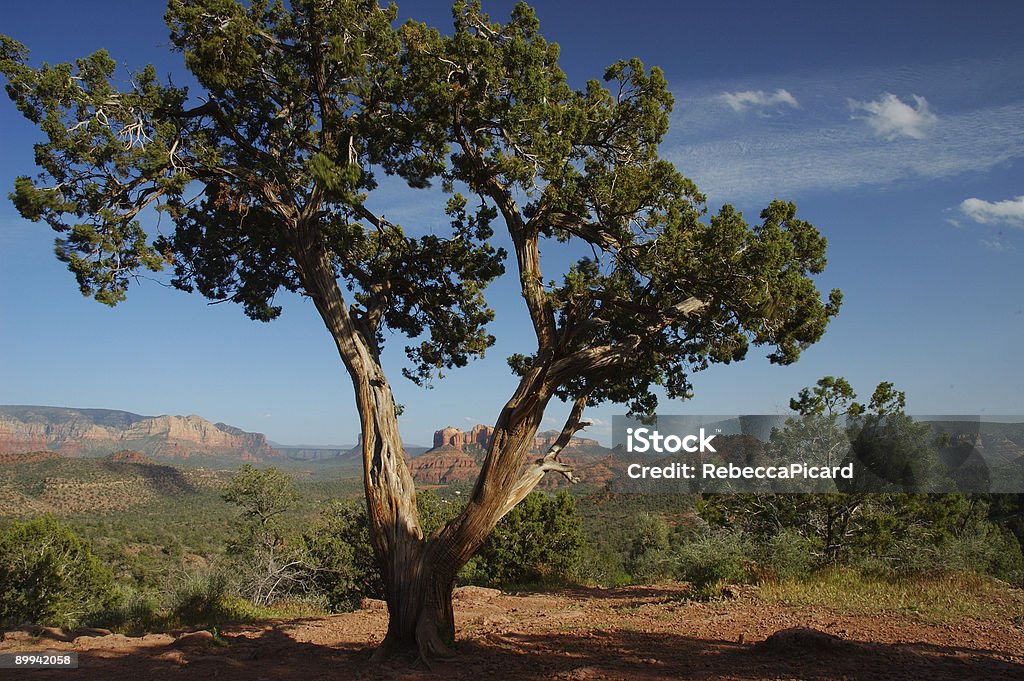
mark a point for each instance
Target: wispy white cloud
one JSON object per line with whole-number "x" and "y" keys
{"x": 759, "y": 99}
{"x": 998, "y": 244}
{"x": 759, "y": 161}
{"x": 1009, "y": 212}
{"x": 890, "y": 117}
{"x": 893, "y": 140}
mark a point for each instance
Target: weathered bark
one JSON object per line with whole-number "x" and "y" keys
{"x": 390, "y": 495}
{"x": 421, "y": 619}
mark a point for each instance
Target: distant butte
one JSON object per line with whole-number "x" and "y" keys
{"x": 457, "y": 455}
{"x": 101, "y": 432}
{"x": 480, "y": 437}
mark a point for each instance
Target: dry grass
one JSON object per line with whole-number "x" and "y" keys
{"x": 940, "y": 599}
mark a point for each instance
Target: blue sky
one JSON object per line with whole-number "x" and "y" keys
{"x": 898, "y": 131}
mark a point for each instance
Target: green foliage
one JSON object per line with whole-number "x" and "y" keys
{"x": 602, "y": 567}
{"x": 664, "y": 293}
{"x": 649, "y": 558}
{"x": 789, "y": 554}
{"x": 134, "y": 613}
{"x": 208, "y": 597}
{"x": 540, "y": 541}
{"x": 266, "y": 562}
{"x": 878, "y": 532}
{"x": 830, "y": 396}
{"x": 49, "y": 575}
{"x": 630, "y": 539}
{"x": 1002, "y": 555}
{"x": 305, "y": 103}
{"x": 436, "y": 510}
{"x": 340, "y": 564}
{"x": 262, "y": 494}
{"x": 711, "y": 561}
{"x": 891, "y": 452}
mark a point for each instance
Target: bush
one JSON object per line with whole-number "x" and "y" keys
{"x": 134, "y": 613}
{"x": 985, "y": 550}
{"x": 206, "y": 598}
{"x": 711, "y": 561}
{"x": 540, "y": 541}
{"x": 602, "y": 567}
{"x": 436, "y": 510}
{"x": 49, "y": 576}
{"x": 790, "y": 555}
{"x": 340, "y": 566}
{"x": 649, "y": 557}
{"x": 1005, "y": 558}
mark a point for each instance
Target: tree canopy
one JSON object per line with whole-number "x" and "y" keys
{"x": 303, "y": 106}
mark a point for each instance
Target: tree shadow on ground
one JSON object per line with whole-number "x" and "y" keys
{"x": 624, "y": 654}
{"x": 573, "y": 656}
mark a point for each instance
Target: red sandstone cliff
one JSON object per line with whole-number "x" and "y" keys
{"x": 457, "y": 455}
{"x": 480, "y": 436}
{"x": 87, "y": 432}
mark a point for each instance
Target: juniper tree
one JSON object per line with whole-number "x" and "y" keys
{"x": 263, "y": 560}
{"x": 891, "y": 457}
{"x": 264, "y": 173}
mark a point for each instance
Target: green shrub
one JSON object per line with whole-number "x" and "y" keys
{"x": 1006, "y": 558}
{"x": 435, "y": 511}
{"x": 49, "y": 576}
{"x": 207, "y": 598}
{"x": 711, "y": 561}
{"x": 340, "y": 566}
{"x": 602, "y": 567}
{"x": 134, "y": 613}
{"x": 649, "y": 556}
{"x": 540, "y": 541}
{"x": 790, "y": 555}
{"x": 985, "y": 550}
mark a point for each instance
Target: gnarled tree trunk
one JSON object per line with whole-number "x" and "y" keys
{"x": 419, "y": 573}
{"x": 419, "y": 578}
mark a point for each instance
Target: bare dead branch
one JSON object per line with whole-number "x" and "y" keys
{"x": 531, "y": 477}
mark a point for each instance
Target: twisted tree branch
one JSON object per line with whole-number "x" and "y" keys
{"x": 549, "y": 462}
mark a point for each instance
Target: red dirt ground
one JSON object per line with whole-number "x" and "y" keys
{"x": 644, "y": 633}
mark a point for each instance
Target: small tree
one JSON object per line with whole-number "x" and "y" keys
{"x": 889, "y": 452}
{"x": 268, "y": 565}
{"x": 264, "y": 177}
{"x": 818, "y": 435}
{"x": 49, "y": 575}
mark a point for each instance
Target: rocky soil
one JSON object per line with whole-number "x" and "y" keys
{"x": 646, "y": 633}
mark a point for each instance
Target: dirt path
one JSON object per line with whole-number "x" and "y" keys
{"x": 580, "y": 635}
